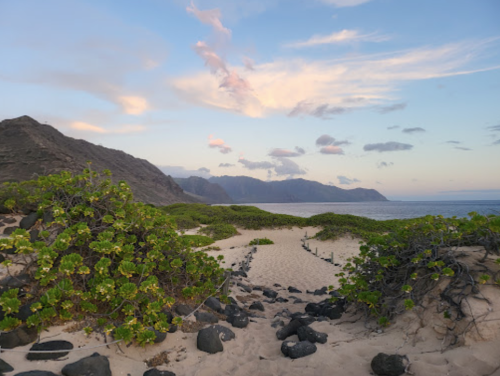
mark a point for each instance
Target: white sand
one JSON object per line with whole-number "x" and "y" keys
{"x": 256, "y": 350}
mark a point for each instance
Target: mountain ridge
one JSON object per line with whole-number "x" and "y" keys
{"x": 246, "y": 190}
{"x": 29, "y": 148}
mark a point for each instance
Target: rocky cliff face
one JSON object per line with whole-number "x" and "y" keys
{"x": 28, "y": 149}
{"x": 209, "y": 192}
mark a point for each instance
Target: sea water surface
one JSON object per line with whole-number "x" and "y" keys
{"x": 386, "y": 209}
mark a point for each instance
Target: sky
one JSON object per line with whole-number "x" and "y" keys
{"x": 399, "y": 96}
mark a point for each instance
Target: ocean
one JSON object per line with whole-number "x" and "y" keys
{"x": 386, "y": 209}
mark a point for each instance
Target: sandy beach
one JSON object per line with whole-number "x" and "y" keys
{"x": 352, "y": 342}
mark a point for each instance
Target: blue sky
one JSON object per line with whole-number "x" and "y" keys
{"x": 396, "y": 95}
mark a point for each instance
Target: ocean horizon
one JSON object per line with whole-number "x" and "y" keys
{"x": 382, "y": 210}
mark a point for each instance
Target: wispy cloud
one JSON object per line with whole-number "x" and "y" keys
{"x": 210, "y": 17}
{"x": 497, "y": 142}
{"x": 288, "y": 167}
{"x": 393, "y": 127}
{"x": 182, "y": 172}
{"x": 383, "y": 164}
{"x": 339, "y": 37}
{"x": 320, "y": 87}
{"x": 413, "y": 130}
{"x": 392, "y": 108}
{"x": 225, "y": 165}
{"x": 86, "y": 127}
{"x": 84, "y": 59}
{"x": 462, "y": 148}
{"x": 345, "y": 180}
{"x": 219, "y": 143}
{"x": 453, "y": 142}
{"x": 344, "y": 3}
{"x": 279, "y": 153}
{"x": 494, "y": 128}
{"x": 264, "y": 165}
{"x": 133, "y": 105}
{"x": 387, "y": 146}
{"x": 325, "y": 139}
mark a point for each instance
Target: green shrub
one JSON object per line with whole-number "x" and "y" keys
{"x": 395, "y": 271}
{"x": 102, "y": 256}
{"x": 185, "y": 222}
{"x": 219, "y": 231}
{"x": 197, "y": 240}
{"x": 261, "y": 241}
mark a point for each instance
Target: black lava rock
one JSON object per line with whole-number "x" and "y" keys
{"x": 244, "y": 287}
{"x": 306, "y": 333}
{"x": 9, "y": 220}
{"x": 239, "y": 273}
{"x": 15, "y": 282}
{"x": 34, "y": 235}
{"x": 49, "y": 346}
{"x": 238, "y": 319}
{"x": 208, "y": 340}
{"x": 213, "y": 304}
{"x": 183, "y": 309}
{"x": 9, "y": 230}
{"x": 294, "y": 290}
{"x": 288, "y": 330}
{"x": 332, "y": 312}
{"x": 297, "y": 350}
{"x": 21, "y": 336}
{"x": 270, "y": 293}
{"x": 206, "y": 317}
{"x": 388, "y": 365}
{"x": 226, "y": 334}
{"x": 257, "y": 306}
{"x": 36, "y": 373}
{"x": 231, "y": 309}
{"x": 313, "y": 308}
{"x": 321, "y": 291}
{"x": 5, "y": 367}
{"x": 156, "y": 372}
{"x": 28, "y": 221}
{"x": 93, "y": 365}
{"x": 24, "y": 312}
{"x": 281, "y": 300}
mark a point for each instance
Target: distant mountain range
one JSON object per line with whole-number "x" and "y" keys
{"x": 28, "y": 149}
{"x": 243, "y": 189}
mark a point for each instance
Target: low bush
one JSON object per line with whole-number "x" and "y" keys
{"x": 102, "y": 256}
{"x": 219, "y": 231}
{"x": 197, "y": 240}
{"x": 395, "y": 271}
{"x": 261, "y": 241}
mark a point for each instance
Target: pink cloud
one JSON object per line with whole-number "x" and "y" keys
{"x": 209, "y": 17}
{"x": 219, "y": 144}
{"x": 212, "y": 60}
{"x": 331, "y": 149}
{"x": 235, "y": 84}
{"x": 216, "y": 143}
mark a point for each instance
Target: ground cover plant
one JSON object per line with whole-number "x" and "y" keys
{"x": 261, "y": 241}
{"x": 247, "y": 217}
{"x": 100, "y": 255}
{"x": 394, "y": 272}
{"x": 197, "y": 240}
{"x": 219, "y": 231}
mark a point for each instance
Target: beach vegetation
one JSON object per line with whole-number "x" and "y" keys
{"x": 219, "y": 231}
{"x": 100, "y": 255}
{"x": 261, "y": 241}
{"x": 396, "y": 271}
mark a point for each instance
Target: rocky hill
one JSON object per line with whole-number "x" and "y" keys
{"x": 28, "y": 148}
{"x": 243, "y": 189}
{"x": 210, "y": 193}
